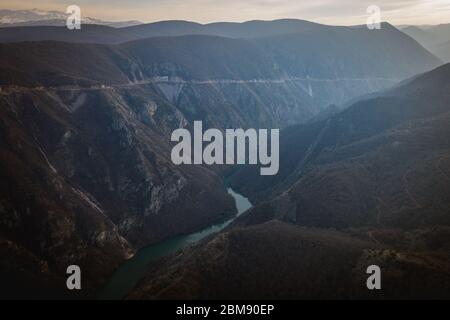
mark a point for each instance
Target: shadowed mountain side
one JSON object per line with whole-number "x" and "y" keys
{"x": 436, "y": 38}
{"x": 377, "y": 172}
{"x": 348, "y": 53}
{"x": 383, "y": 122}
{"x": 91, "y": 33}
{"x": 249, "y": 29}
{"x": 85, "y": 180}
{"x": 48, "y": 63}
{"x": 25, "y": 276}
{"x": 269, "y": 82}
{"x": 48, "y": 218}
{"x": 280, "y": 261}
{"x": 88, "y": 34}
{"x": 399, "y": 178}
{"x": 85, "y": 139}
{"x": 442, "y": 51}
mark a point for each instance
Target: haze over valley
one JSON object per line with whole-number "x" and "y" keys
{"x": 88, "y": 180}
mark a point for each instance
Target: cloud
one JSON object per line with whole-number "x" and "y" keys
{"x": 344, "y": 12}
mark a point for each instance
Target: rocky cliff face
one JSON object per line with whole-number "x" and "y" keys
{"x": 436, "y": 39}
{"x": 85, "y": 131}
{"x": 369, "y": 185}
{"x": 276, "y": 260}
{"x": 87, "y": 179}
{"x": 44, "y": 215}
{"x": 412, "y": 114}
{"x": 269, "y": 81}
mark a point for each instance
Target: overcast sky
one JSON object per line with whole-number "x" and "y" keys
{"x": 339, "y": 12}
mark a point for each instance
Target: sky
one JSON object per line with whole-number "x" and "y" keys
{"x": 335, "y": 12}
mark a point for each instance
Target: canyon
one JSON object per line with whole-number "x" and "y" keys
{"x": 237, "y": 146}
{"x": 85, "y": 127}
{"x": 366, "y": 186}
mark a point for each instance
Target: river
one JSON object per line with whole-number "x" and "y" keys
{"x": 134, "y": 269}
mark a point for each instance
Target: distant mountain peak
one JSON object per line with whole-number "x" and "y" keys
{"x": 34, "y": 17}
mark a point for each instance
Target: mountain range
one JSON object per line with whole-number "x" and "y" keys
{"x": 291, "y": 67}
{"x": 35, "y": 17}
{"x": 86, "y": 119}
{"x": 435, "y": 38}
{"x": 367, "y": 186}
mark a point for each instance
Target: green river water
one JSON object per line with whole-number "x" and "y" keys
{"x": 131, "y": 271}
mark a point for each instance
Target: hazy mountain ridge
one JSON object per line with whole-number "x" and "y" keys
{"x": 365, "y": 119}
{"x": 85, "y": 129}
{"x": 83, "y": 172}
{"x": 91, "y": 33}
{"x": 279, "y": 56}
{"x": 276, "y": 260}
{"x": 194, "y": 66}
{"x": 35, "y": 17}
{"x": 249, "y": 29}
{"x": 442, "y": 50}
{"x": 376, "y": 174}
{"x": 436, "y": 39}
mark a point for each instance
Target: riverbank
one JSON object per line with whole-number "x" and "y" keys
{"x": 131, "y": 271}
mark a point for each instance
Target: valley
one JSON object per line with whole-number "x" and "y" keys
{"x": 132, "y": 271}
{"x": 361, "y": 192}
{"x": 88, "y": 179}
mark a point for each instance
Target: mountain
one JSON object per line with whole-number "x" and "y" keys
{"x": 23, "y": 16}
{"x": 300, "y": 58}
{"x": 88, "y": 34}
{"x": 35, "y": 25}
{"x": 440, "y": 31}
{"x": 442, "y": 50}
{"x": 280, "y": 261}
{"x": 435, "y": 38}
{"x": 367, "y": 186}
{"x": 290, "y": 55}
{"x": 249, "y": 29}
{"x": 87, "y": 179}
{"x": 423, "y": 36}
{"x": 85, "y": 130}
{"x": 35, "y": 17}
{"x": 396, "y": 128}
{"x": 280, "y": 77}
